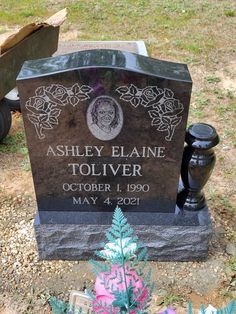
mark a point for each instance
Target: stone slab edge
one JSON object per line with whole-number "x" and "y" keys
{"x": 65, "y": 47}
{"x": 164, "y": 243}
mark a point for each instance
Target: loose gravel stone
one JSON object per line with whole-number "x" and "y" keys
{"x": 231, "y": 249}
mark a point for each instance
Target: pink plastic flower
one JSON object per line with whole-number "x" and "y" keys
{"x": 168, "y": 310}
{"x": 114, "y": 280}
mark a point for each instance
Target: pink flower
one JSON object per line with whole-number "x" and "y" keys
{"x": 168, "y": 310}
{"x": 107, "y": 283}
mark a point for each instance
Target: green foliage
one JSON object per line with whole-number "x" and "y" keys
{"x": 98, "y": 267}
{"x": 171, "y": 299}
{"x": 14, "y": 144}
{"x": 213, "y": 79}
{"x": 61, "y": 307}
{"x": 230, "y": 308}
{"x": 190, "y": 308}
{"x": 122, "y": 244}
{"x": 229, "y": 13}
{"x": 232, "y": 263}
{"x": 121, "y": 251}
{"x": 26, "y": 13}
{"x": 58, "y": 307}
{"x": 121, "y": 301}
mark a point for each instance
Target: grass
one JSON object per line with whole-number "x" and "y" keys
{"x": 172, "y": 299}
{"x": 229, "y": 13}
{"x": 212, "y": 79}
{"x": 232, "y": 263}
{"x": 14, "y": 143}
{"x": 180, "y": 25}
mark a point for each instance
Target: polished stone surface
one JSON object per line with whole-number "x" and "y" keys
{"x": 105, "y": 127}
{"x": 197, "y": 165}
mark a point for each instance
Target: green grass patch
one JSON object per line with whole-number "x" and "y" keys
{"x": 194, "y": 48}
{"x": 13, "y": 12}
{"x": 226, "y": 203}
{"x": 196, "y": 113}
{"x": 14, "y": 144}
{"x": 192, "y": 60}
{"x": 26, "y": 13}
{"x": 212, "y": 79}
{"x": 173, "y": 28}
{"x": 202, "y": 101}
{"x": 232, "y": 263}
{"x": 172, "y": 299}
{"x": 229, "y": 13}
{"x": 226, "y": 108}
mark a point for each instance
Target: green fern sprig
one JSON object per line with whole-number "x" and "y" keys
{"x": 58, "y": 306}
{"x": 61, "y": 307}
{"x": 122, "y": 244}
{"x": 230, "y": 308}
{"x": 99, "y": 267}
{"x": 122, "y": 250}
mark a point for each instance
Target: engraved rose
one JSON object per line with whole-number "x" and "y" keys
{"x": 37, "y": 105}
{"x": 43, "y": 114}
{"x": 166, "y": 116}
{"x": 43, "y": 107}
{"x": 172, "y": 106}
{"x": 149, "y": 93}
{"x": 55, "y": 90}
{"x": 58, "y": 91}
{"x": 164, "y": 110}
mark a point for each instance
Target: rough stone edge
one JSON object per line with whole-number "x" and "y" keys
{"x": 164, "y": 243}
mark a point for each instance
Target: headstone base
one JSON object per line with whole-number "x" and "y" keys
{"x": 60, "y": 241}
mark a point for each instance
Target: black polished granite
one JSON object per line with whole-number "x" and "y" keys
{"x": 105, "y": 128}
{"x": 105, "y": 58}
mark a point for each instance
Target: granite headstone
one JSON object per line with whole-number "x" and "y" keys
{"x": 106, "y": 128}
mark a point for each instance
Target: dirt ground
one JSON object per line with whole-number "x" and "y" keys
{"x": 26, "y": 283}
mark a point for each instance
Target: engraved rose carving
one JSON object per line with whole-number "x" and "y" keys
{"x": 44, "y": 106}
{"x": 149, "y": 94}
{"x": 164, "y": 110}
{"x": 43, "y": 114}
{"x": 58, "y": 91}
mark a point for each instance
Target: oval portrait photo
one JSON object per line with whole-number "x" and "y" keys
{"x": 104, "y": 118}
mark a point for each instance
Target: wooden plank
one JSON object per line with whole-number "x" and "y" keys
{"x": 41, "y": 44}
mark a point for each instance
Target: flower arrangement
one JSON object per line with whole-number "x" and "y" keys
{"x": 123, "y": 285}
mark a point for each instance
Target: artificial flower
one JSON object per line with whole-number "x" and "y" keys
{"x": 108, "y": 284}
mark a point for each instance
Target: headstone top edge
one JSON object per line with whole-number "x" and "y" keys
{"x": 105, "y": 58}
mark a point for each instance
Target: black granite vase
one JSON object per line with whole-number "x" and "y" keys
{"x": 197, "y": 165}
